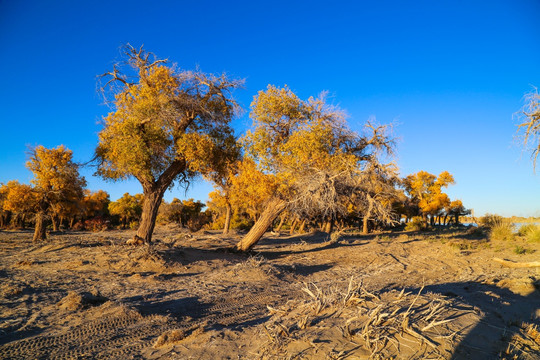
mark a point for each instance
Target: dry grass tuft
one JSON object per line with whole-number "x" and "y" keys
{"x": 502, "y": 231}
{"x": 75, "y": 300}
{"x": 172, "y": 337}
{"x": 525, "y": 344}
{"x": 169, "y": 338}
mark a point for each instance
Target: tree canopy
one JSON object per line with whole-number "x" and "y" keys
{"x": 167, "y": 124}
{"x": 311, "y": 156}
{"x": 426, "y": 191}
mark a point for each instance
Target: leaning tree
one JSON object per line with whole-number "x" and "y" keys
{"x": 164, "y": 125}
{"x": 311, "y": 154}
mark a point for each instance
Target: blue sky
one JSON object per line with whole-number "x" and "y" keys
{"x": 450, "y": 74}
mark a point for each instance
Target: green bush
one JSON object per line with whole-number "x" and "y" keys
{"x": 416, "y": 224}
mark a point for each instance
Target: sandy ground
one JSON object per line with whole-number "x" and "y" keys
{"x": 435, "y": 295}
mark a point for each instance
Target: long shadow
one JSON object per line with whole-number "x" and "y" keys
{"x": 190, "y": 310}
{"x": 503, "y": 313}
{"x": 177, "y": 308}
{"x": 272, "y": 254}
{"x": 304, "y": 270}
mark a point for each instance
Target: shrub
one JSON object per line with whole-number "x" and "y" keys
{"x": 96, "y": 224}
{"x": 531, "y": 232}
{"x": 79, "y": 225}
{"x": 490, "y": 220}
{"x": 501, "y": 230}
{"x": 521, "y": 250}
{"x": 416, "y": 224}
{"x": 525, "y": 229}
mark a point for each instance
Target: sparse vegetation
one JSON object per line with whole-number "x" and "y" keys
{"x": 300, "y": 168}
{"x": 531, "y": 232}
{"x": 519, "y": 250}
{"x": 416, "y": 224}
{"x": 501, "y": 230}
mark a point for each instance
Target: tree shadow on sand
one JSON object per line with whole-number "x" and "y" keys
{"x": 503, "y": 313}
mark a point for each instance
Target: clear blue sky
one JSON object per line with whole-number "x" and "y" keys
{"x": 450, "y": 73}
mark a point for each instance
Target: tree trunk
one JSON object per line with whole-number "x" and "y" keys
{"x": 152, "y": 200}
{"x": 71, "y": 222}
{"x": 365, "y": 225}
{"x": 293, "y": 226}
{"x": 273, "y": 208}
{"x": 40, "y": 231}
{"x": 302, "y": 227}
{"x": 457, "y": 219}
{"x": 22, "y": 219}
{"x": 281, "y": 222}
{"x": 54, "y": 220}
{"x": 365, "y": 228}
{"x": 329, "y": 226}
{"x": 227, "y": 218}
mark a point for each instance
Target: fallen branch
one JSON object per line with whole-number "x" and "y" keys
{"x": 513, "y": 264}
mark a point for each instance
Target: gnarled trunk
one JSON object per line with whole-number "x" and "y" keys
{"x": 40, "y": 231}
{"x": 152, "y": 200}
{"x": 273, "y": 208}
{"x": 329, "y": 226}
{"x": 227, "y": 218}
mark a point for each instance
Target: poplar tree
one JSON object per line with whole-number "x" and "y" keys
{"x": 164, "y": 126}
{"x": 56, "y": 179}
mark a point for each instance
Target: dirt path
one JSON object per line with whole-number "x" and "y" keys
{"x": 86, "y": 295}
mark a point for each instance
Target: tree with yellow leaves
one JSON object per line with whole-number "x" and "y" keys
{"x": 20, "y": 200}
{"x": 425, "y": 189}
{"x": 456, "y": 209}
{"x": 221, "y": 172}
{"x": 127, "y": 208}
{"x": 165, "y": 126}
{"x": 56, "y": 179}
{"x": 95, "y": 203}
{"x": 309, "y": 155}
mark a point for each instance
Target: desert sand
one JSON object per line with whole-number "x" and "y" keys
{"x": 402, "y": 295}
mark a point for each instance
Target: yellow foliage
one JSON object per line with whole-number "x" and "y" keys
{"x": 56, "y": 177}
{"x": 95, "y": 203}
{"x": 426, "y": 190}
{"x": 251, "y": 188}
{"x": 295, "y": 142}
{"x": 128, "y": 207}
{"x": 55, "y": 171}
{"x": 166, "y": 117}
{"x": 19, "y": 198}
